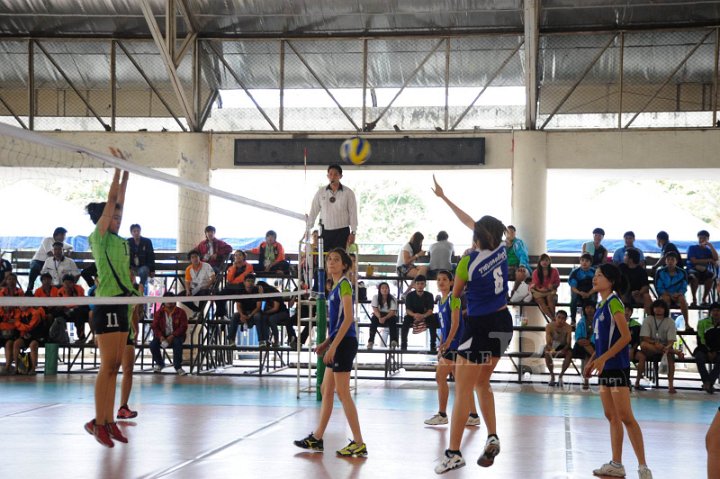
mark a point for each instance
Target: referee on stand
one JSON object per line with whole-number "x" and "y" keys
{"x": 338, "y": 211}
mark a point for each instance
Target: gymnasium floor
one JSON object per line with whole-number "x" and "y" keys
{"x": 197, "y": 427}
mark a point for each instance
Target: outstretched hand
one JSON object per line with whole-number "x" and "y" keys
{"x": 437, "y": 189}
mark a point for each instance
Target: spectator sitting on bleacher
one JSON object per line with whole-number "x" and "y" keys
{"x": 619, "y": 255}
{"x": 634, "y": 326}
{"x": 517, "y": 252}
{"x": 558, "y": 344}
{"x": 385, "y": 307}
{"x": 169, "y": 326}
{"x": 58, "y": 265}
{"x": 8, "y": 331}
{"x": 419, "y": 314}
{"x": 212, "y": 250}
{"x": 43, "y": 253}
{"x": 638, "y": 292}
{"x": 247, "y": 313}
{"x": 305, "y": 319}
{"x": 199, "y": 280}
{"x": 441, "y": 255}
{"x": 580, "y": 282}
{"x": 5, "y": 268}
{"x": 409, "y": 253}
{"x": 271, "y": 255}
{"x": 79, "y": 315}
{"x": 32, "y": 329}
{"x": 663, "y": 242}
{"x": 234, "y": 281}
{"x": 657, "y": 338}
{"x": 701, "y": 260}
{"x": 671, "y": 284}
{"x": 595, "y": 247}
{"x": 708, "y": 348}
{"x": 544, "y": 286}
{"x": 142, "y": 255}
{"x": 584, "y": 347}
{"x": 46, "y": 288}
{"x": 520, "y": 292}
{"x": 276, "y": 313}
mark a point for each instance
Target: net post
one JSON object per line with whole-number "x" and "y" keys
{"x": 321, "y": 314}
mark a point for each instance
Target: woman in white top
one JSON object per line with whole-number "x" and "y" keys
{"x": 409, "y": 253}
{"x": 199, "y": 279}
{"x": 384, "y": 307}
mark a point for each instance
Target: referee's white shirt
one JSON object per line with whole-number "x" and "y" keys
{"x": 335, "y": 215}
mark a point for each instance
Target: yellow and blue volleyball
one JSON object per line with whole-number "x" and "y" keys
{"x": 355, "y": 151}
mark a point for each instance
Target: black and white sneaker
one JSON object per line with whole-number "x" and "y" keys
{"x": 492, "y": 449}
{"x": 310, "y": 443}
{"x": 449, "y": 462}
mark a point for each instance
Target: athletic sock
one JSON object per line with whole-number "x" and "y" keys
{"x": 473, "y": 415}
{"x": 450, "y": 451}
{"x": 616, "y": 464}
{"x": 442, "y": 414}
{"x": 493, "y": 435}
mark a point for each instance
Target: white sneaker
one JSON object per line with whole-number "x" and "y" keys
{"x": 473, "y": 421}
{"x": 157, "y": 369}
{"x": 492, "y": 449}
{"x": 370, "y": 346}
{"x": 644, "y": 472}
{"x": 436, "y": 420}
{"x": 180, "y": 372}
{"x": 611, "y": 470}
{"x": 449, "y": 462}
{"x": 393, "y": 345}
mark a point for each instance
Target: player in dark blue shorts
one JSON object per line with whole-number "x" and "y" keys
{"x": 340, "y": 349}
{"x": 450, "y": 337}
{"x": 487, "y": 334}
{"x": 611, "y": 361}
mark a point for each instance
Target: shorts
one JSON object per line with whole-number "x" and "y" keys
{"x": 403, "y": 269}
{"x": 486, "y": 336}
{"x": 345, "y": 355}
{"x": 618, "y": 378}
{"x": 111, "y": 318}
{"x": 450, "y": 355}
{"x": 579, "y": 352}
{"x": 702, "y": 276}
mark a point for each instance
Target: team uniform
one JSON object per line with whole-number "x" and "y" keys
{"x": 445, "y": 307}
{"x": 616, "y": 372}
{"x": 347, "y": 349}
{"x": 112, "y": 257}
{"x": 488, "y": 330}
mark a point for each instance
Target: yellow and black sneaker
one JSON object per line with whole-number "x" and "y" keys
{"x": 353, "y": 450}
{"x": 310, "y": 443}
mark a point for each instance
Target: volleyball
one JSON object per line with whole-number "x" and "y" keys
{"x": 355, "y": 151}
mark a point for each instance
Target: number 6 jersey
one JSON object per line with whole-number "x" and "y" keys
{"x": 486, "y": 275}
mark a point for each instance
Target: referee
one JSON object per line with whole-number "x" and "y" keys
{"x": 338, "y": 211}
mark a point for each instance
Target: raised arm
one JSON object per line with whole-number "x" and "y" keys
{"x": 465, "y": 218}
{"x": 112, "y": 200}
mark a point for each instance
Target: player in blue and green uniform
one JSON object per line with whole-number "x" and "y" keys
{"x": 112, "y": 258}
{"x": 340, "y": 349}
{"x": 450, "y": 336}
{"x": 488, "y": 330}
{"x": 611, "y": 362}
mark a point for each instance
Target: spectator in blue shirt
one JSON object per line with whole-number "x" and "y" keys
{"x": 671, "y": 284}
{"x": 580, "y": 281}
{"x": 701, "y": 260}
{"x": 516, "y": 251}
{"x": 619, "y": 255}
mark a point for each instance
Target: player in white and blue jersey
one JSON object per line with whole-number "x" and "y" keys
{"x": 340, "y": 349}
{"x": 451, "y": 333}
{"x": 611, "y": 362}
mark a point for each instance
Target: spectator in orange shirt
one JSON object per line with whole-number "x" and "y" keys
{"x": 271, "y": 255}
{"x": 77, "y": 314}
{"x": 33, "y": 330}
{"x": 8, "y": 331}
{"x": 235, "y": 280}
{"x": 46, "y": 289}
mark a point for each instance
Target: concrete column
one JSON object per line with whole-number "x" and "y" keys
{"x": 193, "y": 153}
{"x": 529, "y": 200}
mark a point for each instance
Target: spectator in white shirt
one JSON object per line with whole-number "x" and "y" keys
{"x": 43, "y": 253}
{"x": 441, "y": 255}
{"x": 199, "y": 280}
{"x": 59, "y": 265}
